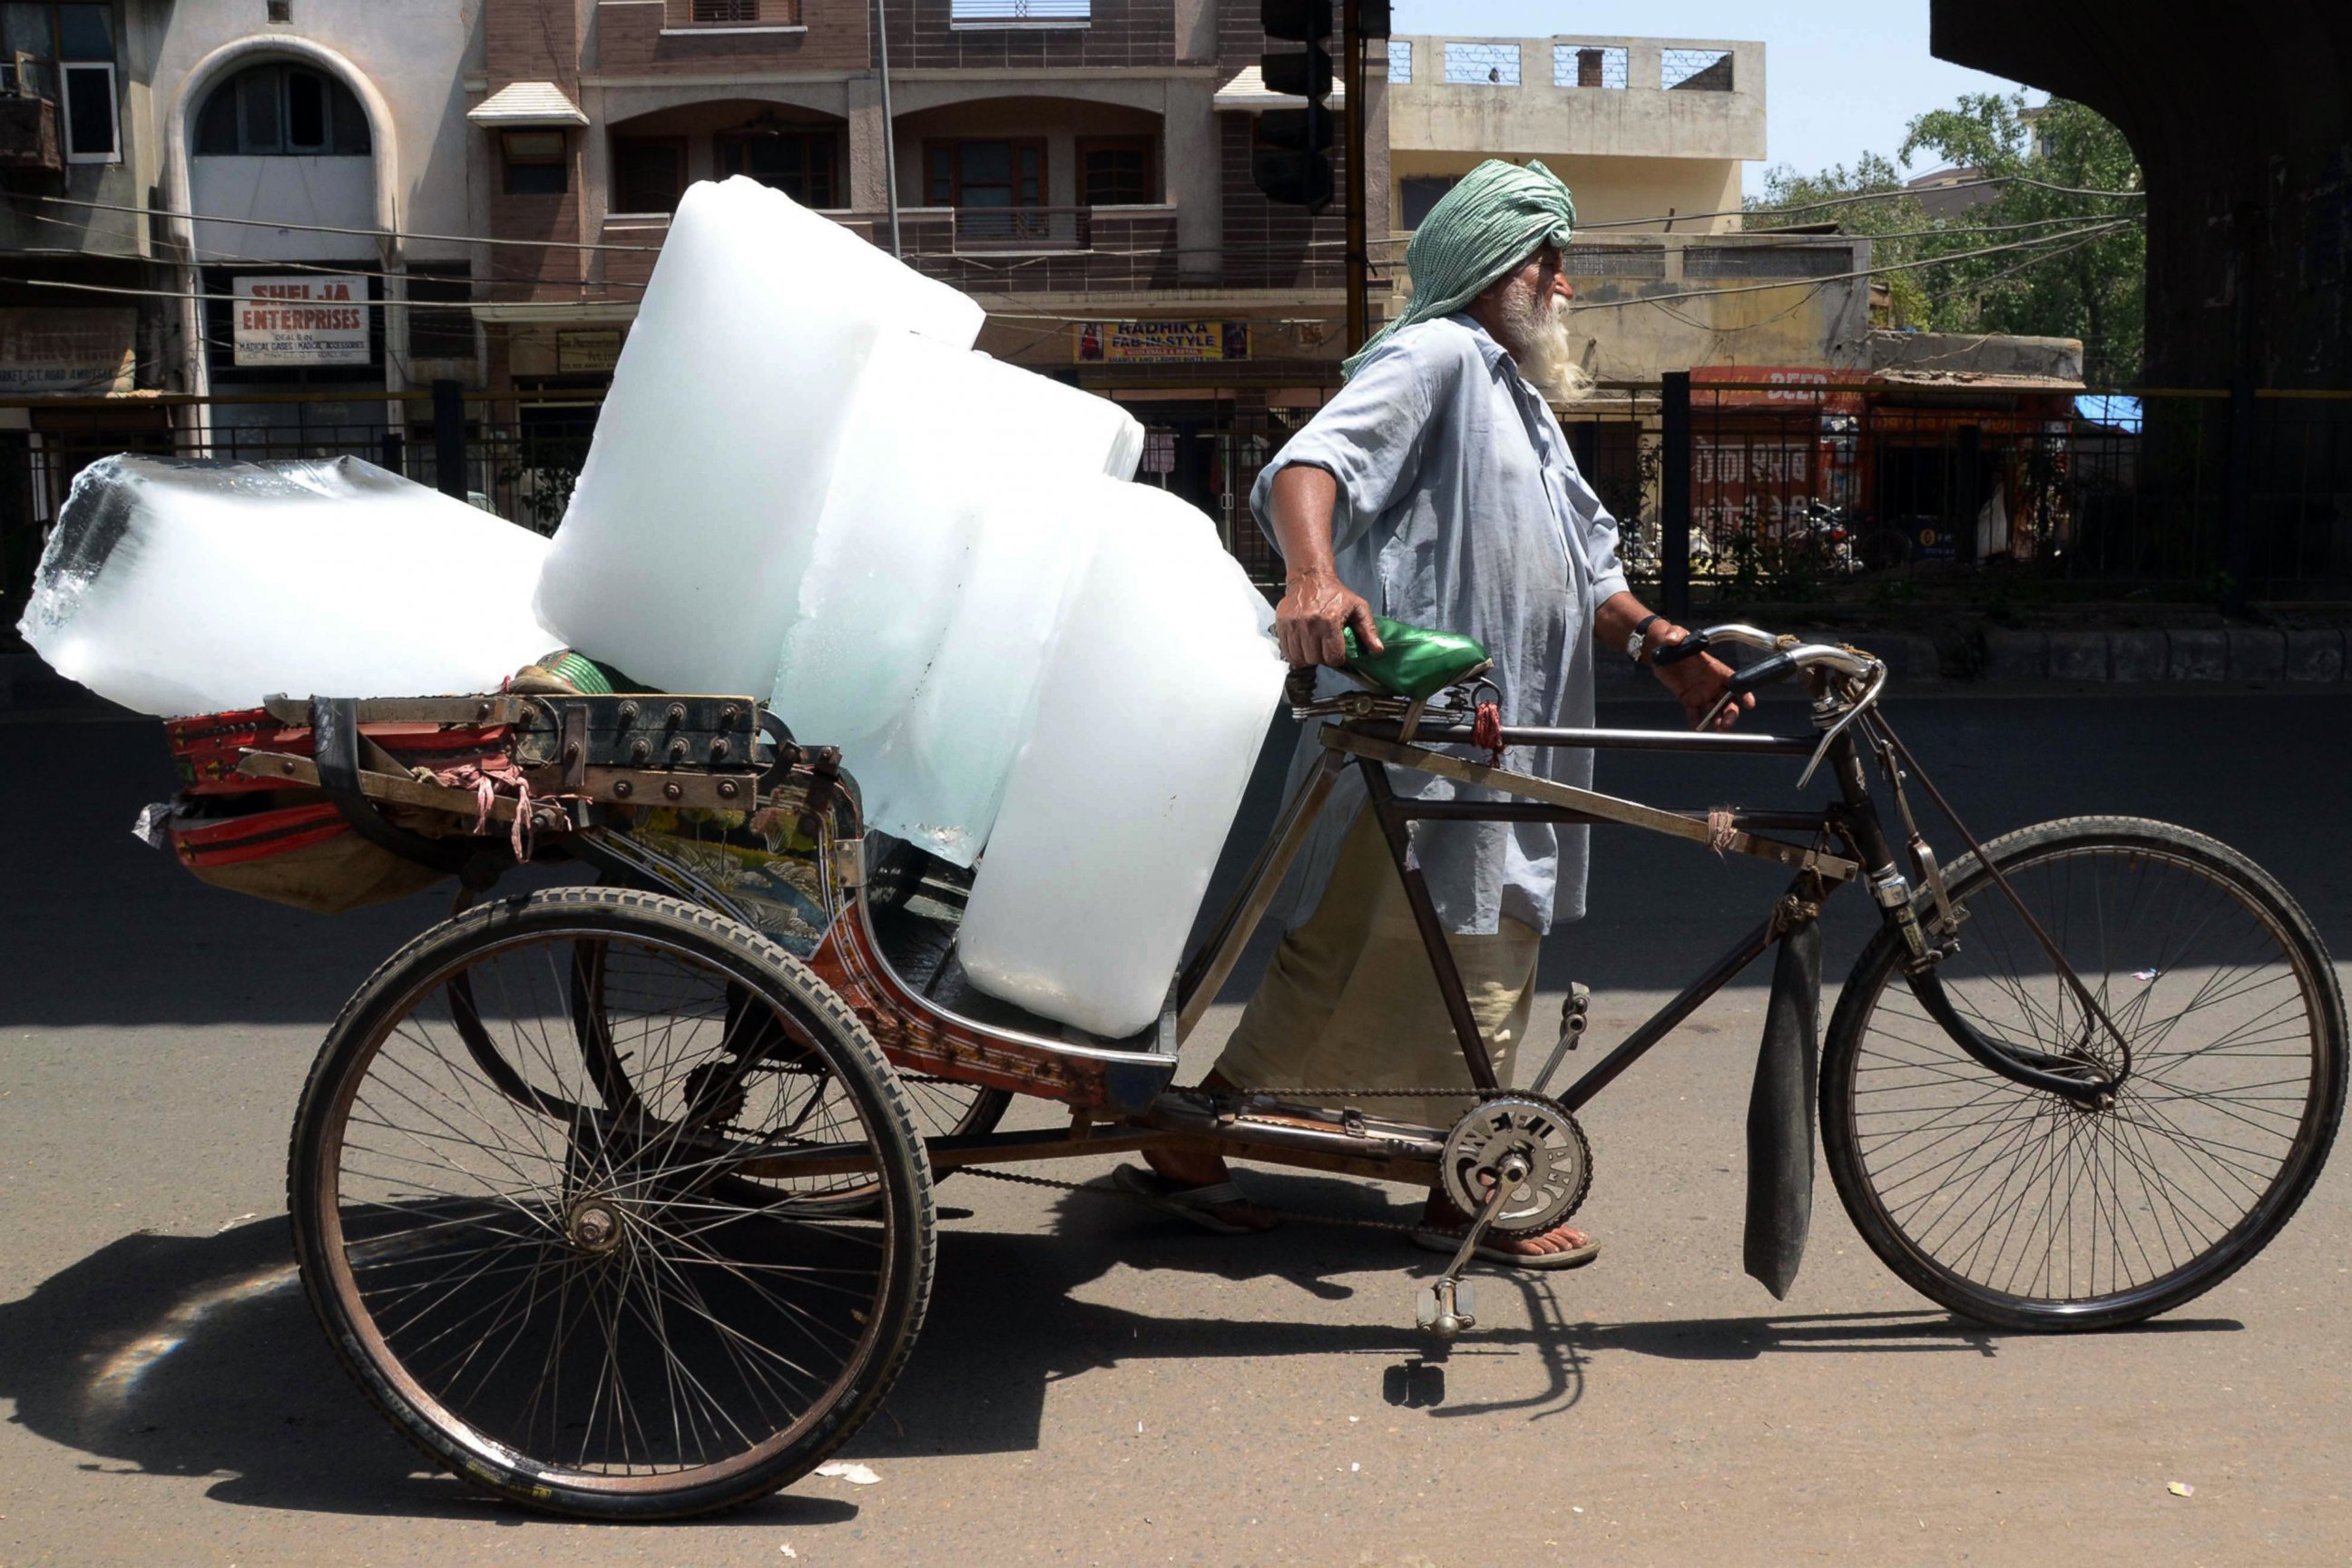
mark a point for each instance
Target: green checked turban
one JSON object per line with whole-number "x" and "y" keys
{"x": 1484, "y": 226}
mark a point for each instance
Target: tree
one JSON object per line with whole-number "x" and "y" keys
{"x": 2032, "y": 259}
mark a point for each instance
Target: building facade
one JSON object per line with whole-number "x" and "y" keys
{"x": 1081, "y": 167}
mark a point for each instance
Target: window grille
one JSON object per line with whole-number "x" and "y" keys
{"x": 1013, "y": 12}
{"x": 1695, "y": 70}
{"x": 1401, "y": 60}
{"x": 1482, "y": 65}
{"x": 1587, "y": 65}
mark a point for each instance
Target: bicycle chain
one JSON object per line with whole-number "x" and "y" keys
{"x": 1390, "y": 1226}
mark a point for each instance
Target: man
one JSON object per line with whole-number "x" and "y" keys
{"x": 1437, "y": 488}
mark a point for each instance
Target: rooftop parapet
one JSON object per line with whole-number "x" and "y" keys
{"x": 1576, "y": 95}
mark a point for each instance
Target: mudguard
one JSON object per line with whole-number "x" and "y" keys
{"x": 1781, "y": 1115}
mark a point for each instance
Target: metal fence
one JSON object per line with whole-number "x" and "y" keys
{"x": 1757, "y": 492}
{"x": 1790, "y": 492}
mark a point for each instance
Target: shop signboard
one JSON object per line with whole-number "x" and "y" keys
{"x": 314, "y": 319}
{"x": 1158, "y": 342}
{"x": 65, "y": 353}
{"x": 587, "y": 350}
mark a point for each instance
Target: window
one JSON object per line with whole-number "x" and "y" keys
{"x": 89, "y": 115}
{"x": 1588, "y": 64}
{"x": 649, "y": 173}
{"x": 538, "y": 162}
{"x": 801, "y": 163}
{"x": 1019, "y": 13}
{"x": 985, "y": 173}
{"x": 1115, "y": 172}
{"x": 1421, "y": 193}
{"x": 440, "y": 320}
{"x": 67, "y": 52}
{"x": 1482, "y": 65}
{"x": 1695, "y": 70}
{"x": 282, "y": 110}
{"x": 1400, "y": 62}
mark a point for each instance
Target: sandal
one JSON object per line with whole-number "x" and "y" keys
{"x": 1436, "y": 1240}
{"x": 1194, "y": 1205}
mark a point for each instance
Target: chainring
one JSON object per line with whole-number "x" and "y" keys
{"x": 1543, "y": 1132}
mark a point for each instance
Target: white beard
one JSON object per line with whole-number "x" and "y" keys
{"x": 1535, "y": 332}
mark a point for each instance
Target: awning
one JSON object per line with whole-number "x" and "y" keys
{"x": 526, "y": 103}
{"x": 1247, "y": 93}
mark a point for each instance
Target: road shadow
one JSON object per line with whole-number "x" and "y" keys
{"x": 198, "y": 1356}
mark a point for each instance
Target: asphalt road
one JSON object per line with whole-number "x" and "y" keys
{"x": 1097, "y": 1386}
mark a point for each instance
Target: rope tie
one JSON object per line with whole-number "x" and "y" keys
{"x": 1486, "y": 732}
{"x": 1719, "y": 831}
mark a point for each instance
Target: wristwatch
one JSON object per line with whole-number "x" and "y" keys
{"x": 1634, "y": 644}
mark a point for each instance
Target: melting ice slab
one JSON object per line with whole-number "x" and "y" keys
{"x": 1153, "y": 704}
{"x": 681, "y": 557}
{"x": 953, "y": 526}
{"x": 173, "y": 586}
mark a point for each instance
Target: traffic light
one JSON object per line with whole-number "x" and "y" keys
{"x": 1292, "y": 164}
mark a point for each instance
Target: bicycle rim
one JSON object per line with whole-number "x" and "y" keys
{"x": 2016, "y": 1205}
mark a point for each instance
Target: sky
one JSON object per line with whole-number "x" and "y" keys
{"x": 1841, "y": 80}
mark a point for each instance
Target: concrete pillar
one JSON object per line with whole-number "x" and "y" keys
{"x": 1193, "y": 159}
{"x": 868, "y": 182}
{"x": 1645, "y": 67}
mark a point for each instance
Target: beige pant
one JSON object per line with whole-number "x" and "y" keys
{"x": 1350, "y": 1002}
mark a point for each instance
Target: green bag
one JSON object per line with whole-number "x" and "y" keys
{"x": 1416, "y": 662}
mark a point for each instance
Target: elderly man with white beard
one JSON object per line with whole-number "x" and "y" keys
{"x": 1436, "y": 487}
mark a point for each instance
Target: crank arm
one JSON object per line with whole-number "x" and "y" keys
{"x": 1444, "y": 1305}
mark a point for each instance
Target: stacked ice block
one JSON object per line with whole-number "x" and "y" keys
{"x": 803, "y": 484}
{"x": 179, "y": 587}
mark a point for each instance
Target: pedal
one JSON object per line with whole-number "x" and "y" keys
{"x": 1573, "y": 1018}
{"x": 1446, "y": 1307}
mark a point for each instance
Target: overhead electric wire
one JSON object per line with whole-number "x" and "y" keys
{"x": 980, "y": 259}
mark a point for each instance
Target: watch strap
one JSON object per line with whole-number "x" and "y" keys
{"x": 1634, "y": 644}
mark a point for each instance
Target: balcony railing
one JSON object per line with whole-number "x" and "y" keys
{"x": 1023, "y": 228}
{"x": 716, "y": 14}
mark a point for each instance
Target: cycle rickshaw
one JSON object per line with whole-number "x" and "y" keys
{"x": 618, "y": 1198}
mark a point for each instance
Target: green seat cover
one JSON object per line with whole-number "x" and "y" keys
{"x": 1416, "y": 662}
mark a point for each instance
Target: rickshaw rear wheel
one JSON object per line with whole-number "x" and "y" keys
{"x": 557, "y": 1277}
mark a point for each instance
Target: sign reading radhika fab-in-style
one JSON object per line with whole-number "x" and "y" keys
{"x": 320, "y": 319}
{"x": 1098, "y": 343}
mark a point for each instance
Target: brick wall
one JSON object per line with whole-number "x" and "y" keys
{"x": 1118, "y": 33}
{"x": 840, "y": 36}
{"x": 532, "y": 40}
{"x": 1267, "y": 246}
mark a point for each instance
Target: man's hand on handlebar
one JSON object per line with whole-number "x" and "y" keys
{"x": 1316, "y": 608}
{"x": 1699, "y": 683}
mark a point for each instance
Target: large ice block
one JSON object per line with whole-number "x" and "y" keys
{"x": 681, "y": 556}
{"x": 935, "y": 576}
{"x": 937, "y": 774}
{"x": 1154, "y": 700}
{"x": 176, "y": 587}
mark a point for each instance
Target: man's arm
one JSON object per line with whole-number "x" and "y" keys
{"x": 1698, "y": 683}
{"x": 1316, "y": 606}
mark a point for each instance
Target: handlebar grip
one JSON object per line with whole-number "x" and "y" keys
{"x": 1690, "y": 647}
{"x": 1779, "y": 667}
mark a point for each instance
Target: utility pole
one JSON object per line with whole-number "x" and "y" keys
{"x": 1351, "y": 33}
{"x": 889, "y": 132}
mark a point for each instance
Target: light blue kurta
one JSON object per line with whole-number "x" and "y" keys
{"x": 1461, "y": 507}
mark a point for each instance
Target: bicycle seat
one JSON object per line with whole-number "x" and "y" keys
{"x": 1416, "y": 662}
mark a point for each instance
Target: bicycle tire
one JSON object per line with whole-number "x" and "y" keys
{"x": 706, "y": 1292}
{"x": 2049, "y": 1172}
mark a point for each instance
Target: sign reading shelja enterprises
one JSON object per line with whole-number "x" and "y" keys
{"x": 320, "y": 319}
